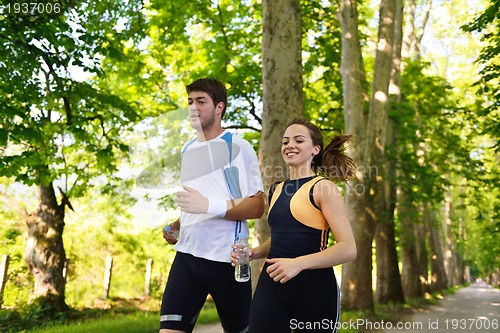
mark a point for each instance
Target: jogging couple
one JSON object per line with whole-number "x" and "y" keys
{"x": 222, "y": 188}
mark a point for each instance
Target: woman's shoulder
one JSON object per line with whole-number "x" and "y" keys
{"x": 324, "y": 187}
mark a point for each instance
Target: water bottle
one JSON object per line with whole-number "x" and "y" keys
{"x": 173, "y": 233}
{"x": 242, "y": 268}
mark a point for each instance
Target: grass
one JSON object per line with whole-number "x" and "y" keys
{"x": 145, "y": 322}
{"x": 122, "y": 319}
{"x": 137, "y": 322}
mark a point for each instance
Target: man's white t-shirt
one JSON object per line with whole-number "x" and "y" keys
{"x": 203, "y": 164}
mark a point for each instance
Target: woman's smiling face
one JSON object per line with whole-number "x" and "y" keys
{"x": 297, "y": 147}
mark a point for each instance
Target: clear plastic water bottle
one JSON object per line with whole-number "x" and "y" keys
{"x": 173, "y": 233}
{"x": 242, "y": 268}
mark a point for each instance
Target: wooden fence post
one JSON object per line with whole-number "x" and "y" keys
{"x": 65, "y": 271}
{"x": 3, "y": 275}
{"x": 107, "y": 276}
{"x": 149, "y": 269}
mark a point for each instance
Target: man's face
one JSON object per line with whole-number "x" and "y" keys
{"x": 203, "y": 114}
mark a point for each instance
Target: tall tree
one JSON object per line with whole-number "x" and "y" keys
{"x": 438, "y": 280}
{"x": 389, "y": 287}
{"x": 281, "y": 89}
{"x": 413, "y": 240}
{"x": 368, "y": 209}
{"x": 59, "y": 133}
{"x": 412, "y": 36}
{"x": 356, "y": 290}
{"x": 451, "y": 260}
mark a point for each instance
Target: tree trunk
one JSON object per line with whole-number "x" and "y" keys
{"x": 409, "y": 38}
{"x": 356, "y": 275}
{"x": 377, "y": 116}
{"x": 422, "y": 253}
{"x": 438, "y": 281}
{"x": 450, "y": 254}
{"x": 461, "y": 255}
{"x": 282, "y": 94}
{"x": 371, "y": 157}
{"x": 4, "y": 268}
{"x": 410, "y": 274}
{"x": 389, "y": 287}
{"x": 45, "y": 253}
{"x": 413, "y": 35}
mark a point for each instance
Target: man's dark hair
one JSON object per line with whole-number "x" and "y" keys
{"x": 213, "y": 87}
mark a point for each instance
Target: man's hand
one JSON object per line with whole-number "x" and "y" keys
{"x": 168, "y": 236}
{"x": 235, "y": 257}
{"x": 192, "y": 201}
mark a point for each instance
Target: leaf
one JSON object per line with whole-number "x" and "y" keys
{"x": 4, "y": 137}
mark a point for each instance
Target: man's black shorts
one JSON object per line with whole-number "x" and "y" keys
{"x": 190, "y": 281}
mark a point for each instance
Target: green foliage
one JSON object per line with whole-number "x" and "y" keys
{"x": 58, "y": 127}
{"x": 185, "y": 41}
{"x": 19, "y": 286}
{"x": 440, "y": 149}
{"x": 426, "y": 135}
{"x": 487, "y": 25}
{"x": 102, "y": 227}
{"x": 321, "y": 65}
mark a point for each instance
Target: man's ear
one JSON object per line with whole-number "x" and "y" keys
{"x": 220, "y": 107}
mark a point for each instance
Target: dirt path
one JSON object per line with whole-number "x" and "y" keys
{"x": 475, "y": 308}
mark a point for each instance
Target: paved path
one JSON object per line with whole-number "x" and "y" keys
{"x": 209, "y": 328}
{"x": 475, "y": 308}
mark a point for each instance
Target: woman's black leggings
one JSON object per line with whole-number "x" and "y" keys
{"x": 310, "y": 302}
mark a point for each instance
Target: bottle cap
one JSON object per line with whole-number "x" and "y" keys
{"x": 242, "y": 235}
{"x": 167, "y": 228}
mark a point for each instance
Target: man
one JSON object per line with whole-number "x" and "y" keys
{"x": 222, "y": 188}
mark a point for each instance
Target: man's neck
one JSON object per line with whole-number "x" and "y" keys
{"x": 210, "y": 133}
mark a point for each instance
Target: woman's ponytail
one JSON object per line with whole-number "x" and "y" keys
{"x": 335, "y": 163}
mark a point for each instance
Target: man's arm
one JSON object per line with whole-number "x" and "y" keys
{"x": 192, "y": 201}
{"x": 245, "y": 208}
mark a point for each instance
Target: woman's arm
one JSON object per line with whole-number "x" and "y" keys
{"x": 261, "y": 251}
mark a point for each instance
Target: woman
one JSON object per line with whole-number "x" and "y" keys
{"x": 297, "y": 288}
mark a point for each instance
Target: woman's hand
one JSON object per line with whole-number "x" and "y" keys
{"x": 283, "y": 269}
